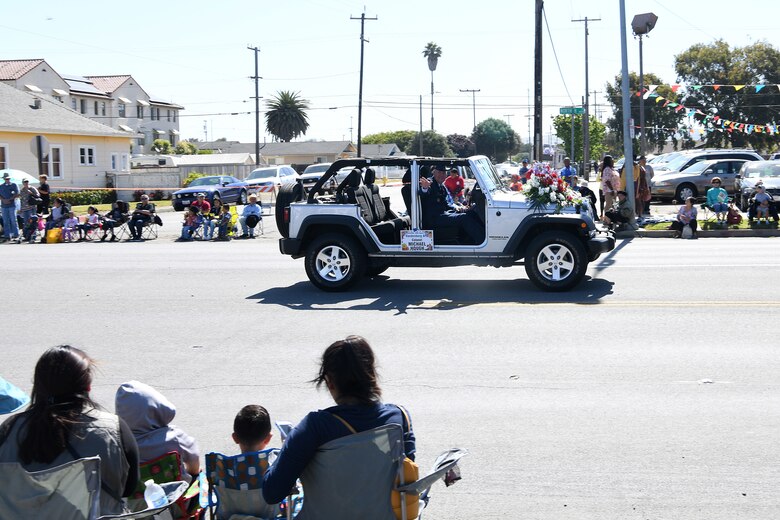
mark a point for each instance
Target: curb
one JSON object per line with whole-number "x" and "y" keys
{"x": 715, "y": 233}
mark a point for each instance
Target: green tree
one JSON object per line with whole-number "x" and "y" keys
{"x": 597, "y": 131}
{"x": 496, "y": 139}
{"x": 661, "y": 124}
{"x": 461, "y": 145}
{"x": 162, "y": 146}
{"x": 185, "y": 148}
{"x": 718, "y": 64}
{"x": 434, "y": 145}
{"x": 402, "y": 138}
{"x": 432, "y": 52}
{"x": 286, "y": 118}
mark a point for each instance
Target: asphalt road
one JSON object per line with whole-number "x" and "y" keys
{"x": 650, "y": 391}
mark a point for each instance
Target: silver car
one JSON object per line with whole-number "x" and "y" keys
{"x": 695, "y": 180}
{"x": 753, "y": 172}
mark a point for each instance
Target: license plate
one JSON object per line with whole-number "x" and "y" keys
{"x": 777, "y": 198}
{"x": 185, "y": 202}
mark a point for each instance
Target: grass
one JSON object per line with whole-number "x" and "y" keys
{"x": 708, "y": 225}
{"x": 102, "y": 208}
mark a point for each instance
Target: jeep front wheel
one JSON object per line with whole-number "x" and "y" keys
{"x": 335, "y": 262}
{"x": 555, "y": 261}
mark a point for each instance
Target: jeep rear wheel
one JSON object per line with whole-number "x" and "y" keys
{"x": 334, "y": 262}
{"x": 555, "y": 261}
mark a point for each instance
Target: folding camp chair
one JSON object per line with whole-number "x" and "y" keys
{"x": 167, "y": 468}
{"x": 71, "y": 491}
{"x": 353, "y": 476}
{"x": 237, "y": 483}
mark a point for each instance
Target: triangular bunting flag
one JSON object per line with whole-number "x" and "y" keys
{"x": 715, "y": 87}
{"x": 675, "y": 88}
{"x": 697, "y": 87}
{"x": 698, "y": 111}
{"x": 737, "y": 88}
{"x": 759, "y": 87}
{"x": 659, "y": 99}
{"x": 666, "y": 102}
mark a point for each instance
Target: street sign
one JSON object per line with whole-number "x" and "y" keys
{"x": 572, "y": 110}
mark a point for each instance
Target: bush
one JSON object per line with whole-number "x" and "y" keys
{"x": 191, "y": 177}
{"x": 86, "y": 197}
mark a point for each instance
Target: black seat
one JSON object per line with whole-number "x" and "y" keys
{"x": 360, "y": 195}
{"x": 377, "y": 204}
{"x": 406, "y": 190}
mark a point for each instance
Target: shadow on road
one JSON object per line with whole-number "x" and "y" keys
{"x": 387, "y": 294}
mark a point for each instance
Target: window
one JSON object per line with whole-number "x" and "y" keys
{"x": 55, "y": 162}
{"x": 87, "y": 155}
{"x": 155, "y": 113}
{"x": 73, "y": 103}
{"x": 139, "y": 111}
{"x": 58, "y": 98}
{"x": 102, "y": 108}
{"x": 96, "y": 108}
{"x": 114, "y": 161}
{"x": 3, "y": 156}
{"x": 172, "y": 138}
{"x": 175, "y": 115}
{"x": 125, "y": 161}
{"x": 122, "y": 110}
{"x": 169, "y": 115}
{"x": 83, "y": 106}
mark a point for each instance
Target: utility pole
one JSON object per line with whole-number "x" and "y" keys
{"x": 205, "y": 130}
{"x": 256, "y": 77}
{"x": 360, "y": 92}
{"x": 627, "y": 144}
{"x": 350, "y": 129}
{"x": 473, "y": 102}
{"x": 538, "y": 81}
{"x": 529, "y": 116}
{"x": 508, "y": 121}
{"x": 586, "y": 115}
{"x": 596, "y": 111}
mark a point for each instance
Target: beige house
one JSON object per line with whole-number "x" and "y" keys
{"x": 75, "y": 151}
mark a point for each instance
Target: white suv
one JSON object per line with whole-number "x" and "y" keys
{"x": 355, "y": 233}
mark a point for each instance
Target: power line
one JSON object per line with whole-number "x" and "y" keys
{"x": 549, "y": 34}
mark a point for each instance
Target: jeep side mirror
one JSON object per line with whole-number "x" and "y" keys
{"x": 738, "y": 176}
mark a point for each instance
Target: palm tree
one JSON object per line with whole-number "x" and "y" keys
{"x": 285, "y": 118}
{"x": 433, "y": 53}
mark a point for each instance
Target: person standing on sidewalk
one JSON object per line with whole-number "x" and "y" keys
{"x": 649, "y": 173}
{"x": 568, "y": 170}
{"x": 9, "y": 192}
{"x": 610, "y": 184}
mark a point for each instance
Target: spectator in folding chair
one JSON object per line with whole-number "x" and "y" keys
{"x": 718, "y": 200}
{"x": 250, "y": 217}
{"x": 142, "y": 216}
{"x": 348, "y": 371}
{"x": 237, "y": 480}
{"x": 28, "y": 198}
{"x": 113, "y": 219}
{"x": 192, "y": 221}
{"x": 59, "y": 214}
{"x": 211, "y": 218}
{"x": 63, "y": 424}
{"x": 70, "y": 227}
{"x": 148, "y": 413}
{"x": 91, "y": 226}
{"x": 224, "y": 223}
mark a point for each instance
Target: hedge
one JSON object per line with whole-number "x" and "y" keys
{"x": 86, "y": 197}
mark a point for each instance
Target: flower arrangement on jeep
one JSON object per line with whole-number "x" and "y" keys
{"x": 545, "y": 187}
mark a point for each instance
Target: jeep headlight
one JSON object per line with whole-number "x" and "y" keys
{"x": 662, "y": 184}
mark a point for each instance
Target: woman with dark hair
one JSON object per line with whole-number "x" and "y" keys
{"x": 348, "y": 371}
{"x": 63, "y": 424}
{"x": 610, "y": 184}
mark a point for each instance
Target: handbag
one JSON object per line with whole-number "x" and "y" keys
{"x": 54, "y": 235}
{"x": 687, "y": 232}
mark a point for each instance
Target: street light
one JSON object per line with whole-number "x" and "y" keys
{"x": 642, "y": 24}
{"x": 473, "y": 101}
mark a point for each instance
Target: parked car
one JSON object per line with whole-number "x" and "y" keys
{"x": 687, "y": 158}
{"x": 767, "y": 172}
{"x": 312, "y": 174}
{"x": 270, "y": 178}
{"x": 695, "y": 180}
{"x": 224, "y": 187}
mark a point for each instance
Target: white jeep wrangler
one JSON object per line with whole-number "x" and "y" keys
{"x": 354, "y": 233}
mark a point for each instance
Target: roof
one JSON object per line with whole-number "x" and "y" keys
{"x": 82, "y": 85}
{"x": 18, "y": 115}
{"x": 380, "y": 150}
{"x": 108, "y": 83}
{"x": 15, "y": 69}
{"x": 282, "y": 149}
{"x": 214, "y": 159}
{"x": 154, "y": 100}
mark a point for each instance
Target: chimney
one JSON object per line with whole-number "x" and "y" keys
{"x": 36, "y": 104}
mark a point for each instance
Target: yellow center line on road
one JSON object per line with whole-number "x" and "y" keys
{"x": 442, "y": 304}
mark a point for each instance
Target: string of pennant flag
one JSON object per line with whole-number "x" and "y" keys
{"x": 762, "y": 87}
{"x": 717, "y": 122}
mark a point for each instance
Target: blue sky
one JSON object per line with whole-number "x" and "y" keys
{"x": 198, "y": 57}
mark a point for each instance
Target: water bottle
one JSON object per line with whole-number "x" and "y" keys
{"x": 154, "y": 495}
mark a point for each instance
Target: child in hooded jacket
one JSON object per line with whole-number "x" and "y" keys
{"x": 148, "y": 413}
